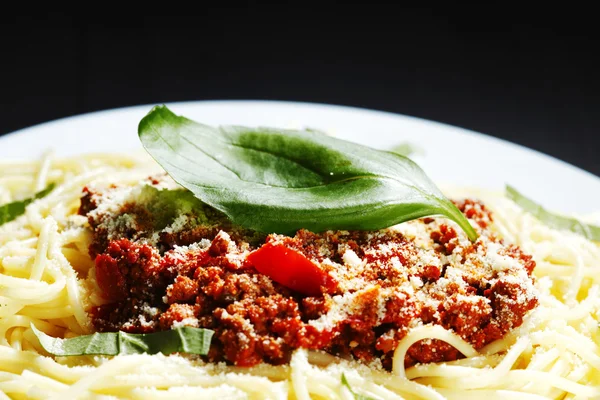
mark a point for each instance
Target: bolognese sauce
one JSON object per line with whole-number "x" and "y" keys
{"x": 162, "y": 264}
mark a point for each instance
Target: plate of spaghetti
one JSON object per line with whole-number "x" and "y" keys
{"x": 273, "y": 250}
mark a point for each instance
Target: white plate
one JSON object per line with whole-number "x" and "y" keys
{"x": 453, "y": 155}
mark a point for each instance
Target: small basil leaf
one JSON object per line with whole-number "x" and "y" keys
{"x": 179, "y": 340}
{"x": 280, "y": 181}
{"x": 356, "y": 395}
{"x": 407, "y": 149}
{"x": 10, "y": 211}
{"x": 315, "y": 130}
{"x": 590, "y": 232}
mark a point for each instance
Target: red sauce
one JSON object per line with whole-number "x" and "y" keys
{"x": 256, "y": 319}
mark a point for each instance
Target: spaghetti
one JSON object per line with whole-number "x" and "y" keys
{"x": 47, "y": 278}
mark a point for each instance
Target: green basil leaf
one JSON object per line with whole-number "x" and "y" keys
{"x": 356, "y": 395}
{"x": 10, "y": 211}
{"x": 590, "y": 232}
{"x": 179, "y": 340}
{"x": 273, "y": 180}
{"x": 407, "y": 149}
{"x": 315, "y": 130}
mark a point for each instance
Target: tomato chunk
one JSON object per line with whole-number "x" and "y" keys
{"x": 290, "y": 268}
{"x": 110, "y": 279}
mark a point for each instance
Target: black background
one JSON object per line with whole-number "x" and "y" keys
{"x": 527, "y": 76}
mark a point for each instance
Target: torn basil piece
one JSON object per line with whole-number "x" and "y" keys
{"x": 179, "y": 340}
{"x": 356, "y": 395}
{"x": 10, "y": 211}
{"x": 590, "y": 232}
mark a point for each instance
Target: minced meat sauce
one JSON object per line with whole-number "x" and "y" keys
{"x": 190, "y": 266}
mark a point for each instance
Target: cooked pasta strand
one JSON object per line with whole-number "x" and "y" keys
{"x": 45, "y": 280}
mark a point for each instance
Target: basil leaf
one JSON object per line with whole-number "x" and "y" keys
{"x": 10, "y": 211}
{"x": 179, "y": 340}
{"x": 590, "y": 232}
{"x": 315, "y": 130}
{"x": 273, "y": 180}
{"x": 356, "y": 395}
{"x": 407, "y": 149}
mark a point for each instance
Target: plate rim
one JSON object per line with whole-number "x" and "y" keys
{"x": 340, "y": 107}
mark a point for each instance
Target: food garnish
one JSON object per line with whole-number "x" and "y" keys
{"x": 183, "y": 339}
{"x": 590, "y": 232}
{"x": 300, "y": 273}
{"x": 274, "y": 180}
{"x": 407, "y": 149}
{"x": 354, "y": 394}
{"x": 10, "y": 211}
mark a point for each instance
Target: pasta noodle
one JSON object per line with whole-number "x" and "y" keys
{"x": 46, "y": 279}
